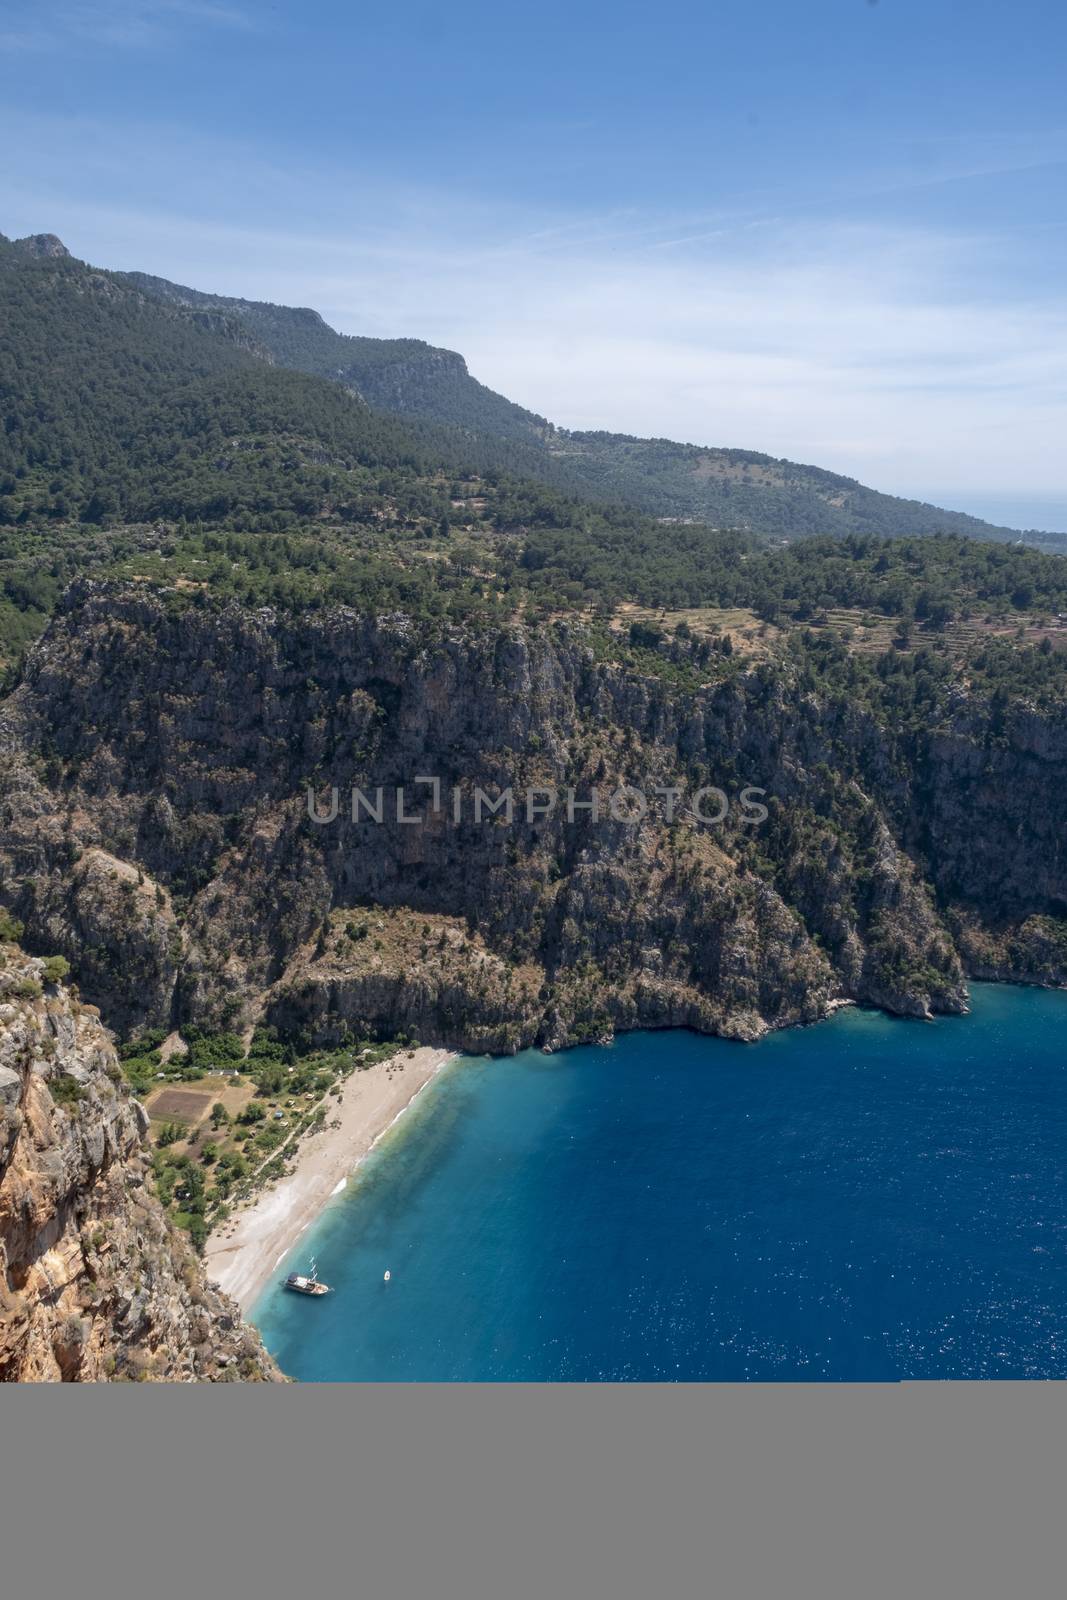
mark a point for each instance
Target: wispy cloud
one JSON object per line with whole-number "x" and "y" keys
{"x": 53, "y": 25}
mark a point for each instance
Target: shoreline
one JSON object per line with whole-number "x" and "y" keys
{"x": 243, "y": 1255}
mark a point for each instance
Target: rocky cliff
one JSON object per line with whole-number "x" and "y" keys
{"x": 95, "y": 1284}
{"x": 156, "y": 831}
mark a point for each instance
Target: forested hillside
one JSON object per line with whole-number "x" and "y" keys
{"x": 724, "y": 487}
{"x": 162, "y": 436}
{"x": 118, "y": 408}
{"x": 402, "y": 375}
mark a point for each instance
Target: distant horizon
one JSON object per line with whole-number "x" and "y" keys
{"x": 1028, "y": 513}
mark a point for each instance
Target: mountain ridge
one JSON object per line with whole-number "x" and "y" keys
{"x": 427, "y": 386}
{"x": 671, "y": 478}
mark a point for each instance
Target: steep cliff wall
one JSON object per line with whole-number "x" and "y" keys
{"x": 155, "y": 830}
{"x": 95, "y": 1284}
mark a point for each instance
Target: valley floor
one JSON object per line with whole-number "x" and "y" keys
{"x": 244, "y": 1253}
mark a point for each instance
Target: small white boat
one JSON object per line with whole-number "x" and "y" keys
{"x": 388, "y": 1275}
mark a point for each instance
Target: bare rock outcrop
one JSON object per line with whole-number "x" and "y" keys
{"x": 95, "y": 1283}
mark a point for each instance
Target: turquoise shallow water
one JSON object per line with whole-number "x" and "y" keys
{"x": 865, "y": 1199}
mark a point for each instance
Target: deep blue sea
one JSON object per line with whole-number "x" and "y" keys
{"x": 864, "y": 1199}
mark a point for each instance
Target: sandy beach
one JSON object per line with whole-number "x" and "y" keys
{"x": 248, "y": 1249}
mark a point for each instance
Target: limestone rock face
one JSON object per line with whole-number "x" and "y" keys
{"x": 42, "y": 246}
{"x": 95, "y": 1283}
{"x": 153, "y": 801}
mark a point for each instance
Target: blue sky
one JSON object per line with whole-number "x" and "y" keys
{"x": 834, "y": 230}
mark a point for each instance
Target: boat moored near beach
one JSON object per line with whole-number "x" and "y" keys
{"x": 301, "y": 1283}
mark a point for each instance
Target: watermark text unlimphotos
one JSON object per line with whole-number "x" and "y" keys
{"x": 426, "y": 797}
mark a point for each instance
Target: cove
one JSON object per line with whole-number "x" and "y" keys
{"x": 866, "y": 1199}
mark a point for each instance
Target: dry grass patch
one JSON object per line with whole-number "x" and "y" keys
{"x": 749, "y": 634}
